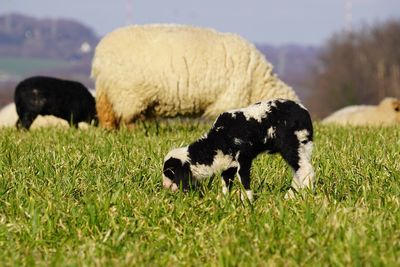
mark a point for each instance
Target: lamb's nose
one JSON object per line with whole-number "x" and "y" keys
{"x": 167, "y": 182}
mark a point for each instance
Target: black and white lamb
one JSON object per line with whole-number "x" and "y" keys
{"x": 235, "y": 140}
{"x": 68, "y": 100}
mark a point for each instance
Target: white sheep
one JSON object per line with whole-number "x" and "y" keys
{"x": 385, "y": 114}
{"x": 8, "y": 115}
{"x": 170, "y": 70}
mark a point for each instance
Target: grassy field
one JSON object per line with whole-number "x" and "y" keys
{"x": 94, "y": 198}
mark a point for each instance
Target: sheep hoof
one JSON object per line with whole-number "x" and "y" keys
{"x": 290, "y": 194}
{"x": 248, "y": 195}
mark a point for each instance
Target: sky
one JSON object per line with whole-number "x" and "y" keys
{"x": 276, "y": 22}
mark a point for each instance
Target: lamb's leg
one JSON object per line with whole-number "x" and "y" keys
{"x": 227, "y": 179}
{"x": 244, "y": 177}
{"x": 300, "y": 161}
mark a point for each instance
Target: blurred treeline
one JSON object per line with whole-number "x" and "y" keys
{"x": 359, "y": 67}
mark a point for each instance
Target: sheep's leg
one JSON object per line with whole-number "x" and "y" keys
{"x": 19, "y": 124}
{"x": 105, "y": 113}
{"x": 73, "y": 122}
{"x": 25, "y": 121}
{"x": 227, "y": 179}
{"x": 244, "y": 177}
{"x": 300, "y": 161}
{"x": 305, "y": 173}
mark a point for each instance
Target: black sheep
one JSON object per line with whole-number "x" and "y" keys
{"x": 64, "y": 99}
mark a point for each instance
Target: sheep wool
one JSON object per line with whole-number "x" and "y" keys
{"x": 8, "y": 115}
{"x": 385, "y": 114}
{"x": 169, "y": 70}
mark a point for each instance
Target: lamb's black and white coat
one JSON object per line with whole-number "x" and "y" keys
{"x": 69, "y": 100}
{"x": 237, "y": 137}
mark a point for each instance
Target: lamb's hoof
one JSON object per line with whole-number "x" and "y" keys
{"x": 248, "y": 196}
{"x": 290, "y": 194}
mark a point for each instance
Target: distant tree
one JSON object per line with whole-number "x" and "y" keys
{"x": 357, "y": 68}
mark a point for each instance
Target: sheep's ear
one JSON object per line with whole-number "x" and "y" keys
{"x": 183, "y": 177}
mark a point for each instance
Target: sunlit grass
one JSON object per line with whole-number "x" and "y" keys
{"x": 92, "y": 197}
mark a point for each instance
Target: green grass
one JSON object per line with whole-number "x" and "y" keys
{"x": 83, "y": 198}
{"x": 21, "y": 66}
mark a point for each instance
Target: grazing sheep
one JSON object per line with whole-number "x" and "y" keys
{"x": 68, "y": 100}
{"x": 237, "y": 137}
{"x": 9, "y": 118}
{"x": 170, "y": 70}
{"x": 385, "y": 114}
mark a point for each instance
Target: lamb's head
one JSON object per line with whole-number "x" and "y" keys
{"x": 176, "y": 170}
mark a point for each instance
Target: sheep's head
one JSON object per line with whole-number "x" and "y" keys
{"x": 176, "y": 170}
{"x": 396, "y": 105}
{"x": 391, "y": 104}
{"x": 396, "y": 108}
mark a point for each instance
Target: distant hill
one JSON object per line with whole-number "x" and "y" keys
{"x": 24, "y": 36}
{"x": 55, "y": 47}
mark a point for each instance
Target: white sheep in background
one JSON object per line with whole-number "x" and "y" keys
{"x": 385, "y": 114}
{"x": 235, "y": 140}
{"x": 170, "y": 70}
{"x": 9, "y": 118}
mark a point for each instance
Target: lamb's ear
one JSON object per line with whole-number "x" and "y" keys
{"x": 183, "y": 177}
